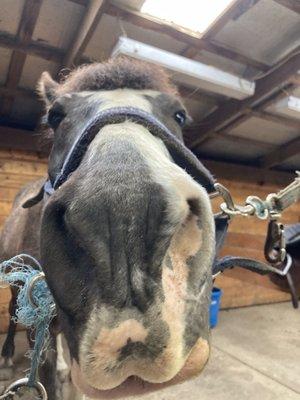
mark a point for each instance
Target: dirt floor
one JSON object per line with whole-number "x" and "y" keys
{"x": 255, "y": 355}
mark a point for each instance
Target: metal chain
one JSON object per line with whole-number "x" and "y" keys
{"x": 270, "y": 208}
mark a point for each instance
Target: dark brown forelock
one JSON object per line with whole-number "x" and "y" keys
{"x": 117, "y": 73}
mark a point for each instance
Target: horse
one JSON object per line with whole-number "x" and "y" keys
{"x": 123, "y": 230}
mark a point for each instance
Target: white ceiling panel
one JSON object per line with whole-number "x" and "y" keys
{"x": 265, "y": 131}
{"x": 199, "y": 110}
{"x": 58, "y": 22}
{"x": 266, "y": 32}
{"x": 10, "y": 15}
{"x": 33, "y": 69}
{"x": 288, "y": 106}
{"x": 296, "y": 92}
{"x": 5, "y": 55}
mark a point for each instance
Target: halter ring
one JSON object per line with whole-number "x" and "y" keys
{"x": 38, "y": 277}
{"x": 23, "y": 382}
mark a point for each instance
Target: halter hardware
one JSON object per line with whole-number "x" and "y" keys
{"x": 271, "y": 208}
{"x": 36, "y": 309}
{"x": 13, "y": 388}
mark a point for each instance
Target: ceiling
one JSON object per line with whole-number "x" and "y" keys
{"x": 254, "y": 39}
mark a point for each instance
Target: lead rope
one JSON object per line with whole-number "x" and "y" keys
{"x": 35, "y": 310}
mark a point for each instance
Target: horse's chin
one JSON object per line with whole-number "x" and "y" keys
{"x": 134, "y": 386}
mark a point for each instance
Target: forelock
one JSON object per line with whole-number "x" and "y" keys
{"x": 117, "y": 73}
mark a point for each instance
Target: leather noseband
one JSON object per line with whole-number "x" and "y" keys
{"x": 183, "y": 157}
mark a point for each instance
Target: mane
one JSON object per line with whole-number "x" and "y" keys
{"x": 117, "y": 73}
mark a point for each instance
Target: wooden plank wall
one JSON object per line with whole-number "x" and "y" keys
{"x": 246, "y": 236}
{"x": 16, "y": 169}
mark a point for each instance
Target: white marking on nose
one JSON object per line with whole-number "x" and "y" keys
{"x": 61, "y": 363}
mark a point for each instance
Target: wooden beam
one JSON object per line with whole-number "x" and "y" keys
{"x": 235, "y": 10}
{"x": 247, "y": 174}
{"x": 278, "y": 119}
{"x": 33, "y": 48}
{"x": 225, "y": 136}
{"x": 261, "y": 113}
{"x": 81, "y": 2}
{"x": 281, "y": 154}
{"x": 22, "y": 92}
{"x": 87, "y": 27}
{"x": 26, "y": 27}
{"x": 20, "y": 139}
{"x": 293, "y": 5}
{"x": 242, "y": 140}
{"x": 229, "y": 111}
{"x": 296, "y": 79}
{"x": 146, "y": 22}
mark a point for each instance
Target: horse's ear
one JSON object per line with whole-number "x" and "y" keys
{"x": 47, "y": 88}
{"x": 35, "y": 197}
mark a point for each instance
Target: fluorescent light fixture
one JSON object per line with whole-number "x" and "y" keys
{"x": 289, "y": 106}
{"x": 195, "y": 15}
{"x": 185, "y": 71}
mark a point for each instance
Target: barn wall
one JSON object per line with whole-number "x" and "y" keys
{"x": 246, "y": 236}
{"x": 16, "y": 169}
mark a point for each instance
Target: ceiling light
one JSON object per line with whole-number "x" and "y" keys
{"x": 289, "y": 106}
{"x": 185, "y": 71}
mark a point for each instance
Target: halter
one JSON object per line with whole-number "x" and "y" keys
{"x": 183, "y": 157}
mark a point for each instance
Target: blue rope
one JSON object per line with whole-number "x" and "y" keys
{"x": 35, "y": 304}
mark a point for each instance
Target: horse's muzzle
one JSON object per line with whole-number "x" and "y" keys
{"x": 133, "y": 386}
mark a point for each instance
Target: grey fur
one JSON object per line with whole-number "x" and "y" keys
{"x": 104, "y": 236}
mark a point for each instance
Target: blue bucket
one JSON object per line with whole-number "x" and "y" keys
{"x": 215, "y": 306}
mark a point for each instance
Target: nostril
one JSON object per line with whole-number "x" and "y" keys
{"x": 194, "y": 206}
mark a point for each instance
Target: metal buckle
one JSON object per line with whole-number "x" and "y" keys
{"x": 275, "y": 251}
{"x": 12, "y": 389}
{"x": 288, "y": 264}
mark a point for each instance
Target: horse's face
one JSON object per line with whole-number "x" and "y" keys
{"x": 127, "y": 244}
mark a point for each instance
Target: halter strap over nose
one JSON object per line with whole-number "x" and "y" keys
{"x": 182, "y": 156}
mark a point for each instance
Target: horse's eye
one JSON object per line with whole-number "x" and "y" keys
{"x": 55, "y": 115}
{"x": 180, "y": 117}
